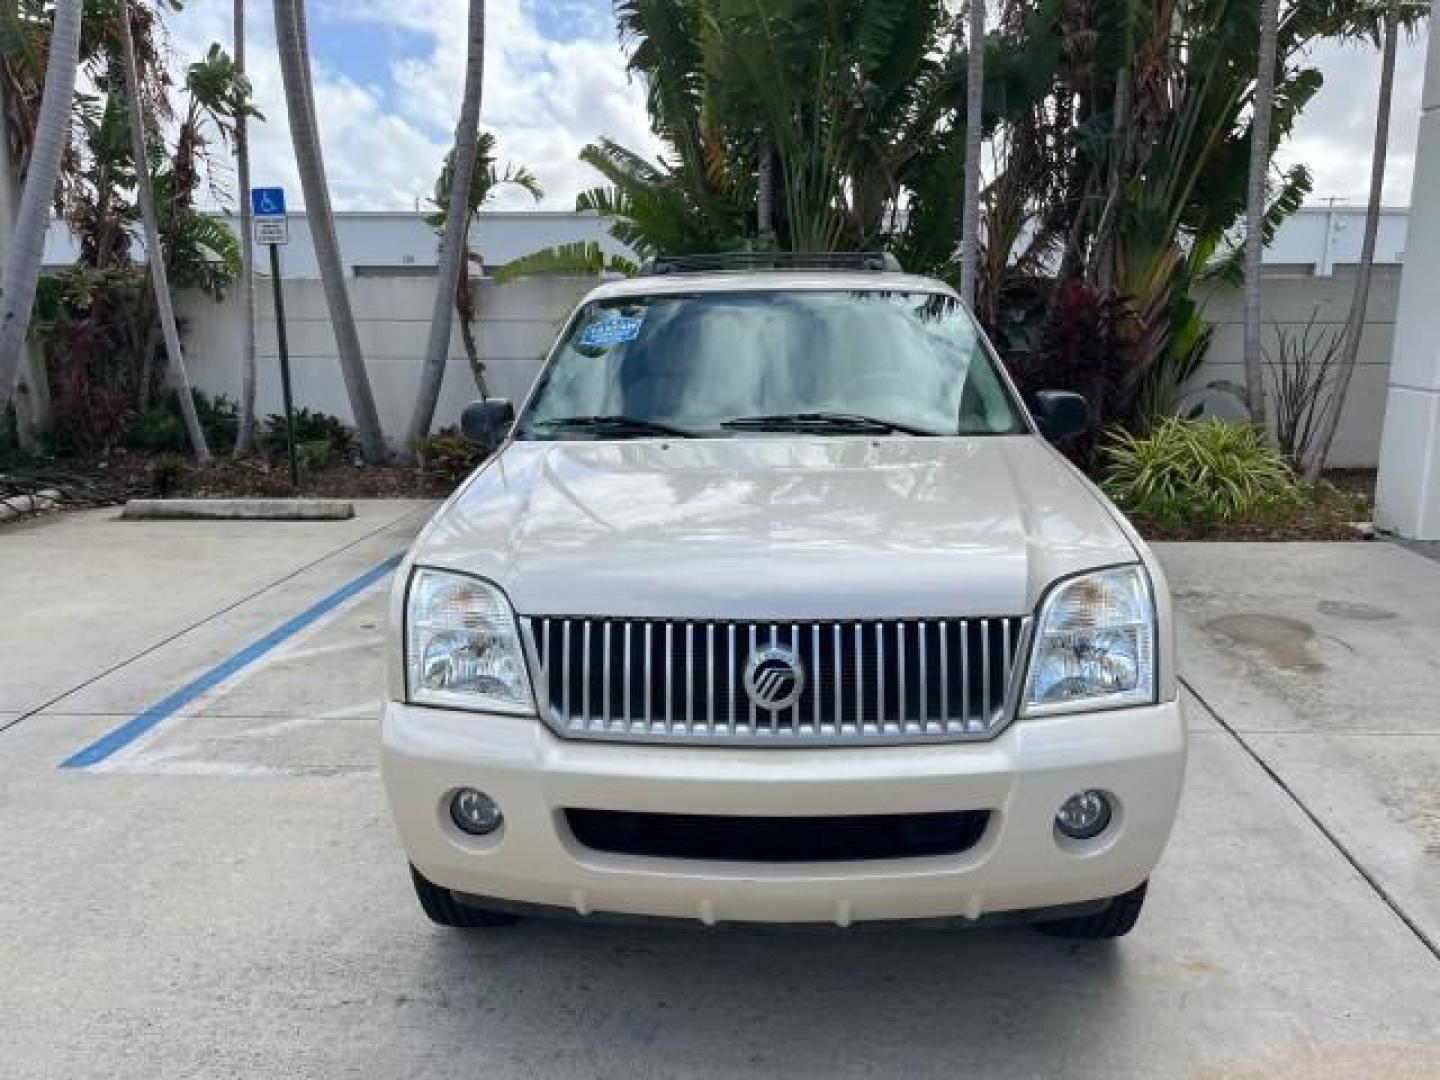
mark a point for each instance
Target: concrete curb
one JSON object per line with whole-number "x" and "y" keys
{"x": 238, "y": 510}
{"x": 22, "y": 505}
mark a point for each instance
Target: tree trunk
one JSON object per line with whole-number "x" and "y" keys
{"x": 453, "y": 245}
{"x": 1355, "y": 325}
{"x": 1263, "y": 110}
{"x": 25, "y": 249}
{"x": 245, "y": 433}
{"x": 1102, "y": 269}
{"x": 974, "y": 100}
{"x": 154, "y": 253}
{"x": 299, "y": 104}
{"x": 765, "y": 190}
{"x": 32, "y": 387}
{"x": 465, "y": 311}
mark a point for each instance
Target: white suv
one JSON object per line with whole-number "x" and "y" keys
{"x": 774, "y": 604}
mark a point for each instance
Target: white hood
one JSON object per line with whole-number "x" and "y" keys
{"x": 776, "y": 527}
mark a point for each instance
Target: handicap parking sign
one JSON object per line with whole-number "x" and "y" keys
{"x": 267, "y": 201}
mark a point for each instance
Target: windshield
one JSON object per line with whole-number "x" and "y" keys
{"x": 802, "y": 361}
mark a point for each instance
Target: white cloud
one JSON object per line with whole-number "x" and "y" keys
{"x": 544, "y": 99}
{"x": 1334, "y": 136}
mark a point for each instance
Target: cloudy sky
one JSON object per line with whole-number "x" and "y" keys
{"x": 389, "y": 73}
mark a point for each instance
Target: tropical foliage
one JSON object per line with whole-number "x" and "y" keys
{"x": 98, "y": 321}
{"x": 1199, "y": 471}
{"x": 1119, "y": 134}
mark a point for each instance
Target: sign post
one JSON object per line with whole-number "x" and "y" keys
{"x": 272, "y": 229}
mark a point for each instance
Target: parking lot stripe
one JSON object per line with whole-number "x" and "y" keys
{"x": 132, "y": 729}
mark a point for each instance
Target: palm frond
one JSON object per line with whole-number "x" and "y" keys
{"x": 580, "y": 259}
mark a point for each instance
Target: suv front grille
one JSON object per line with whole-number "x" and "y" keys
{"x": 908, "y": 680}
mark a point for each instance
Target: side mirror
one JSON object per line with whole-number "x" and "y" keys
{"x": 485, "y": 423}
{"x": 1061, "y": 413}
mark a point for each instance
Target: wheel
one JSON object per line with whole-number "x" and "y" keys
{"x": 1115, "y": 920}
{"x": 444, "y": 910}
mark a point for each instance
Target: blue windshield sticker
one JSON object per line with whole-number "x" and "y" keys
{"x": 610, "y": 332}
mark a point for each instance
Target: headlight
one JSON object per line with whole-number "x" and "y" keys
{"x": 1094, "y": 645}
{"x": 462, "y": 648}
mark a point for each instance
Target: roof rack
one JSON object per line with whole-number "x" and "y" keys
{"x": 738, "y": 261}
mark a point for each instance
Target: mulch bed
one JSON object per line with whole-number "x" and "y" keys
{"x": 1300, "y": 527}
{"x": 1346, "y": 496}
{"x": 110, "y": 481}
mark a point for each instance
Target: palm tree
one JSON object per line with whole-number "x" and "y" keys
{"x": 484, "y": 181}
{"x": 26, "y": 248}
{"x": 1355, "y": 325}
{"x": 777, "y": 116}
{"x": 1263, "y": 109}
{"x": 453, "y": 246}
{"x": 32, "y": 392}
{"x": 154, "y": 252}
{"x": 974, "y": 100}
{"x": 290, "y": 37}
{"x": 245, "y": 434}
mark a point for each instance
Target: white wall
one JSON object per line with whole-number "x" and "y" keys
{"x": 1289, "y": 298}
{"x": 517, "y": 324}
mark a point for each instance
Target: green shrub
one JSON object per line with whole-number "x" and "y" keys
{"x": 315, "y": 455}
{"x": 158, "y": 431}
{"x": 1205, "y": 470}
{"x": 448, "y": 453}
{"x": 311, "y": 427}
{"x": 161, "y": 429}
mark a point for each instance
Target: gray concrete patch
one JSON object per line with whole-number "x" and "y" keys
{"x": 96, "y": 593}
{"x": 238, "y": 510}
{"x": 1322, "y": 658}
{"x": 1270, "y": 633}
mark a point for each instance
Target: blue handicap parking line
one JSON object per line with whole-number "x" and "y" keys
{"x": 132, "y": 729}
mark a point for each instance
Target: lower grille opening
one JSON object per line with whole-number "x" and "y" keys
{"x": 778, "y": 839}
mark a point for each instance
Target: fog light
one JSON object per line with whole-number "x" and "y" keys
{"x": 475, "y": 812}
{"x": 1084, "y": 815}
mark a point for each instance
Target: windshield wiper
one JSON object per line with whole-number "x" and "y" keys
{"x": 822, "y": 421}
{"x": 615, "y": 425}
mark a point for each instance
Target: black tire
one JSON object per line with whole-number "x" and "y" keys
{"x": 1116, "y": 919}
{"x": 444, "y": 910}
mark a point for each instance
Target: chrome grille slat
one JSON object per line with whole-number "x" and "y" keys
{"x": 859, "y": 677}
{"x": 965, "y": 675}
{"x": 710, "y": 676}
{"x": 924, "y": 679}
{"x": 649, "y": 717}
{"x": 669, "y": 676}
{"x": 815, "y": 660}
{"x": 902, "y": 713}
{"x": 985, "y": 660}
{"x": 629, "y": 716}
{"x": 753, "y": 713}
{"x": 605, "y": 666}
{"x": 730, "y": 682}
{"x": 866, "y": 681}
{"x": 565, "y": 655}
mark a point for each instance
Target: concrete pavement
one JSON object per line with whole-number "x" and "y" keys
{"x": 1323, "y": 660}
{"x": 224, "y": 895}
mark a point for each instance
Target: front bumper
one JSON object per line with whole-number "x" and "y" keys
{"x": 1021, "y": 776}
